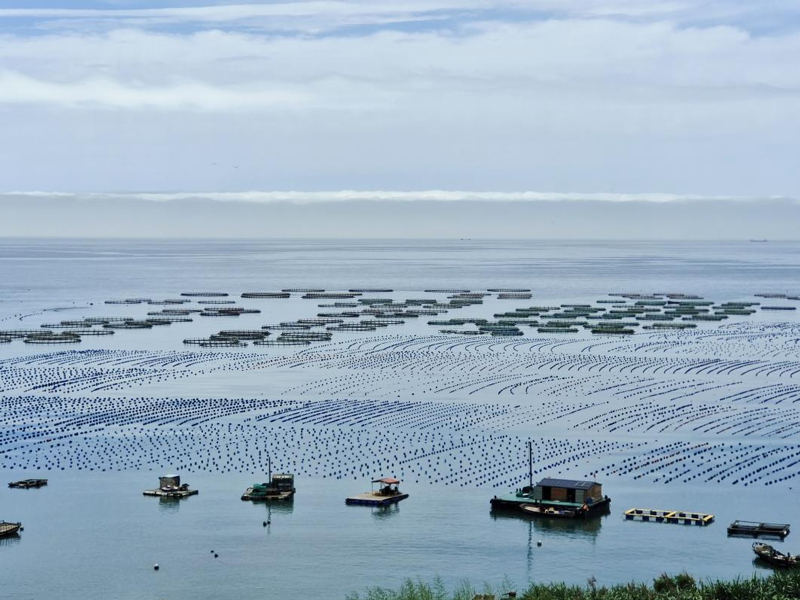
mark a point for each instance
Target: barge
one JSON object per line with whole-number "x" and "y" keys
{"x": 388, "y": 492}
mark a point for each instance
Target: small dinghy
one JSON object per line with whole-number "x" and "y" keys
{"x": 550, "y": 511}
{"x": 777, "y": 559}
{"x": 9, "y": 529}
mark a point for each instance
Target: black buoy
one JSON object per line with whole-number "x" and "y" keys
{"x": 155, "y": 567}
{"x": 216, "y": 556}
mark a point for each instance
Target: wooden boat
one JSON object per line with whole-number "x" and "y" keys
{"x": 9, "y": 529}
{"x": 550, "y": 511}
{"x": 28, "y": 483}
{"x": 777, "y": 559}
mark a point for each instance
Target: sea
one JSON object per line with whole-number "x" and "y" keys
{"x": 718, "y": 430}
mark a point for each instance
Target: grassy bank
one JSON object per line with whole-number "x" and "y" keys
{"x": 779, "y": 586}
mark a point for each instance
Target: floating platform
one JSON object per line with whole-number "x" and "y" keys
{"x": 388, "y": 492}
{"x": 374, "y": 499}
{"x": 170, "y": 486}
{"x": 171, "y": 493}
{"x": 755, "y": 529}
{"x": 668, "y": 516}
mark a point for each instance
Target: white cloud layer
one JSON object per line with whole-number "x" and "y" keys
{"x": 299, "y": 197}
{"x": 680, "y": 96}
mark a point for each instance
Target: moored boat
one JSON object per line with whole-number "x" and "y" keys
{"x": 28, "y": 483}
{"x": 772, "y": 556}
{"x": 8, "y": 529}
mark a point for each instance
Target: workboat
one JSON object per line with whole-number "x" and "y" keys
{"x": 777, "y": 559}
{"x": 277, "y": 487}
{"x": 9, "y": 529}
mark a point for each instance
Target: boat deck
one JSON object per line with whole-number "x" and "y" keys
{"x": 170, "y": 493}
{"x": 373, "y": 499}
{"x": 668, "y": 516}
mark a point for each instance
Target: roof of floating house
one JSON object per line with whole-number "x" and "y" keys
{"x": 386, "y": 480}
{"x": 567, "y": 483}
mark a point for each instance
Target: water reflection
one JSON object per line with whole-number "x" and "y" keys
{"x": 168, "y": 505}
{"x": 588, "y": 527}
{"x": 385, "y": 512}
{"x": 10, "y": 540}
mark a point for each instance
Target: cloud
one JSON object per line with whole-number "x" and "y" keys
{"x": 299, "y": 197}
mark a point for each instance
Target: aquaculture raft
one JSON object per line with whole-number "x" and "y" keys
{"x": 668, "y": 516}
{"x": 755, "y": 529}
{"x": 170, "y": 487}
{"x": 387, "y": 493}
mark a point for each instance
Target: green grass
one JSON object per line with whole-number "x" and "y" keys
{"x": 779, "y": 586}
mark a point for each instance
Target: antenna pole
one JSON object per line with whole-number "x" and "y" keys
{"x": 269, "y": 468}
{"x": 530, "y": 464}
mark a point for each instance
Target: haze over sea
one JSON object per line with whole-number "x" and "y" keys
{"x": 138, "y": 404}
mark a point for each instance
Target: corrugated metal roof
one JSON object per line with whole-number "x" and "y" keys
{"x": 570, "y": 484}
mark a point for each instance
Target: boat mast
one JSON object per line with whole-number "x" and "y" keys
{"x": 269, "y": 468}
{"x": 530, "y": 464}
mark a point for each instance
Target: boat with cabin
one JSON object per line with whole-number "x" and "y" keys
{"x": 170, "y": 486}
{"x": 387, "y": 492}
{"x": 555, "y": 498}
{"x": 278, "y": 487}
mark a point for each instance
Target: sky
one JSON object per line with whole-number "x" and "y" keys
{"x": 587, "y": 103}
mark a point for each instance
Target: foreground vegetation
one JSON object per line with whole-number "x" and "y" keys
{"x": 779, "y": 586}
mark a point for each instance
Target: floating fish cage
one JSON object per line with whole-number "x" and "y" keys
{"x": 447, "y": 291}
{"x": 216, "y": 302}
{"x": 668, "y": 516}
{"x": 303, "y": 291}
{"x": 21, "y": 333}
{"x": 223, "y": 344}
{"x": 160, "y": 322}
{"x": 508, "y": 290}
{"x": 129, "y": 325}
{"x": 319, "y": 337}
{"x": 329, "y": 295}
{"x": 89, "y": 331}
{"x": 204, "y": 294}
{"x": 287, "y": 327}
{"x": 770, "y": 295}
{"x": 52, "y": 339}
{"x": 104, "y": 320}
{"x": 339, "y": 315}
{"x": 319, "y": 322}
{"x": 244, "y": 334}
{"x": 56, "y": 326}
{"x": 671, "y": 326}
{"x": 612, "y": 331}
{"x": 371, "y": 301}
{"x": 716, "y": 317}
{"x": 282, "y": 343}
{"x": 655, "y": 317}
{"x": 778, "y": 308}
{"x": 266, "y": 295}
{"x": 5, "y": 340}
{"x": 389, "y": 320}
{"x": 458, "y": 332}
{"x": 557, "y": 330}
{"x": 371, "y": 291}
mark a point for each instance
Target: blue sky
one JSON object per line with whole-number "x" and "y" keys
{"x": 670, "y": 97}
